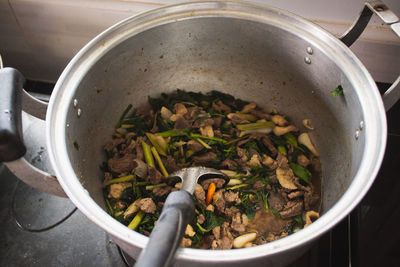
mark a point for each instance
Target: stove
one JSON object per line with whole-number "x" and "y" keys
{"x": 38, "y": 229}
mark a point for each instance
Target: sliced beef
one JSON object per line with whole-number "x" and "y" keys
{"x": 200, "y": 194}
{"x": 237, "y": 120}
{"x": 153, "y": 175}
{"x": 237, "y": 224}
{"x": 260, "y": 114}
{"x": 195, "y": 146}
{"x": 258, "y": 185}
{"x": 217, "y": 232}
{"x": 268, "y": 143}
{"x": 219, "y": 182}
{"x": 162, "y": 191}
{"x": 310, "y": 199}
{"x": 113, "y": 144}
{"x": 231, "y": 196}
{"x": 295, "y": 194}
{"x": 291, "y": 209}
{"x": 146, "y": 205}
{"x": 170, "y": 164}
{"x": 204, "y": 158}
{"x": 219, "y": 200}
{"x": 120, "y": 165}
{"x": 219, "y": 106}
{"x": 201, "y": 219}
{"x": 282, "y": 161}
{"x": 186, "y": 242}
{"x": 230, "y": 164}
{"x": 217, "y": 121}
{"x": 206, "y": 122}
{"x": 231, "y": 211}
{"x": 180, "y": 109}
{"x": 226, "y": 240}
{"x": 181, "y": 123}
{"x": 276, "y": 201}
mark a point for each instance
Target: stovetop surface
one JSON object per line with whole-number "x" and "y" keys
{"x": 34, "y": 233}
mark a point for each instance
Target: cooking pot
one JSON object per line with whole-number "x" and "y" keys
{"x": 256, "y": 53}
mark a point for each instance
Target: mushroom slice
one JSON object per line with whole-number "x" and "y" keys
{"x": 166, "y": 114}
{"x": 305, "y": 139}
{"x": 249, "y": 107}
{"x": 309, "y": 217}
{"x": 279, "y": 120}
{"x": 207, "y": 131}
{"x": 307, "y": 124}
{"x": 285, "y": 178}
{"x": 279, "y": 130}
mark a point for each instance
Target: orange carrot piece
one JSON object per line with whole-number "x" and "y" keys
{"x": 210, "y": 193}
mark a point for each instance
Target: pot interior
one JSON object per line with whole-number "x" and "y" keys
{"x": 254, "y": 61}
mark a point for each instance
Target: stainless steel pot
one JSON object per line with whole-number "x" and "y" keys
{"x": 253, "y": 52}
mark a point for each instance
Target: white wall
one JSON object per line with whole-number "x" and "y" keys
{"x": 39, "y": 37}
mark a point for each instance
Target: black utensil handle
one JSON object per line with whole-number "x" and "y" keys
{"x": 11, "y": 143}
{"x": 167, "y": 234}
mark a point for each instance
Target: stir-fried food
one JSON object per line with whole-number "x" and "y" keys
{"x": 274, "y": 169}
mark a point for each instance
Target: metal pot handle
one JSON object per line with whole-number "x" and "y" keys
{"x": 17, "y": 125}
{"x": 392, "y": 95}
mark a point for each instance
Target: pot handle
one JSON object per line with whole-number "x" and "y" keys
{"x": 392, "y": 95}
{"x": 15, "y": 125}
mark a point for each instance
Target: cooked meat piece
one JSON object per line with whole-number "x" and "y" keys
{"x": 186, "y": 242}
{"x": 309, "y": 217}
{"x": 237, "y": 120}
{"x": 310, "y": 200}
{"x": 153, "y": 175}
{"x": 210, "y": 207}
{"x": 295, "y": 194}
{"x": 201, "y": 219}
{"x": 207, "y": 122}
{"x": 226, "y": 242}
{"x": 292, "y": 208}
{"x": 129, "y": 136}
{"x": 241, "y": 153}
{"x": 281, "y": 130}
{"x": 120, "y": 205}
{"x": 231, "y": 211}
{"x": 282, "y": 161}
{"x": 276, "y": 202}
{"x": 316, "y": 164}
{"x": 303, "y": 160}
{"x": 219, "y": 182}
{"x": 119, "y": 165}
{"x": 283, "y": 194}
{"x": 170, "y": 164}
{"x": 116, "y": 190}
{"x": 219, "y": 106}
{"x": 181, "y": 123}
{"x": 195, "y": 112}
{"x": 272, "y": 237}
{"x": 200, "y": 194}
{"x": 219, "y": 200}
{"x": 255, "y": 161}
{"x": 180, "y": 109}
{"x": 217, "y": 232}
{"x": 237, "y": 224}
{"x": 160, "y": 204}
{"x": 204, "y": 158}
{"x": 260, "y": 240}
{"x": 113, "y": 144}
{"x": 269, "y": 162}
{"x": 231, "y": 196}
{"x": 195, "y": 146}
{"x": 207, "y": 131}
{"x": 268, "y": 143}
{"x": 248, "y": 107}
{"x": 162, "y": 191}
{"x": 260, "y": 114}
{"x": 140, "y": 168}
{"x": 217, "y": 121}
{"x": 230, "y": 164}
{"x": 189, "y": 231}
{"x": 217, "y": 133}
{"x": 139, "y": 149}
{"x": 286, "y": 178}
{"x": 258, "y": 185}
{"x": 147, "y": 205}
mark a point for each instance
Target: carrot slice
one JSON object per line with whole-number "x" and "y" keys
{"x": 210, "y": 193}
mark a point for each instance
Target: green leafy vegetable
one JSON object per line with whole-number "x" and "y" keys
{"x": 76, "y": 145}
{"x": 211, "y": 222}
{"x": 301, "y": 172}
{"x": 337, "y": 91}
{"x": 118, "y": 124}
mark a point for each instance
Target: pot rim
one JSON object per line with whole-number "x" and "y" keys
{"x": 365, "y": 87}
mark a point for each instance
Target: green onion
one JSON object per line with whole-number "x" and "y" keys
{"x": 120, "y": 180}
{"x": 203, "y": 143}
{"x": 256, "y": 126}
{"x": 147, "y": 154}
{"x": 151, "y": 187}
{"x": 291, "y": 139}
{"x": 337, "y": 91}
{"x": 243, "y": 116}
{"x": 110, "y": 209}
{"x": 159, "y": 143}
{"x": 202, "y": 229}
{"x": 220, "y": 140}
{"x": 172, "y": 133}
{"x": 136, "y": 220}
{"x": 123, "y": 116}
{"x": 159, "y": 161}
{"x": 127, "y": 126}
{"x": 236, "y": 186}
{"x": 282, "y": 150}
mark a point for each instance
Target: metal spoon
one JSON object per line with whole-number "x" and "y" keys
{"x": 177, "y": 212}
